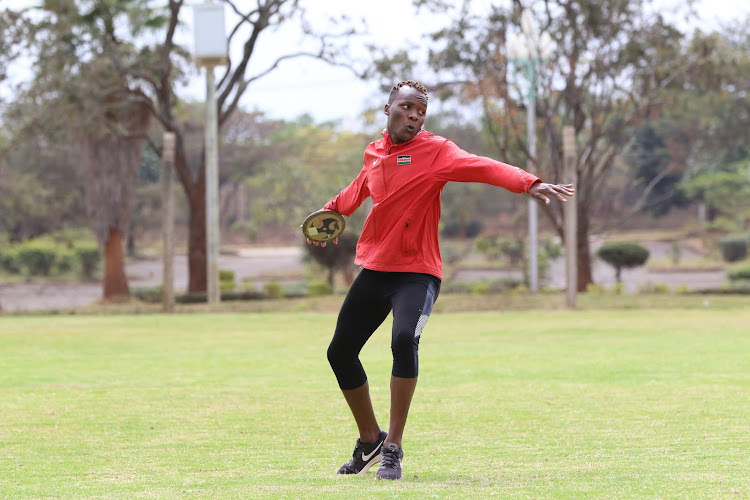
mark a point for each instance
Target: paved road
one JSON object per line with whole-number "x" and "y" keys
{"x": 253, "y": 264}
{"x": 248, "y": 265}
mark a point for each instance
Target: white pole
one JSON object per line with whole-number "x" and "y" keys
{"x": 212, "y": 189}
{"x": 571, "y": 217}
{"x": 531, "y": 137}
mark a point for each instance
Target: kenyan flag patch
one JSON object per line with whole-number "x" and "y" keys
{"x": 403, "y": 160}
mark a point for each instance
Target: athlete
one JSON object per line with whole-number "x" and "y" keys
{"x": 404, "y": 174}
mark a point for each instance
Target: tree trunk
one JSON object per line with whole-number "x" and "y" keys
{"x": 583, "y": 251}
{"x": 115, "y": 284}
{"x": 198, "y": 277}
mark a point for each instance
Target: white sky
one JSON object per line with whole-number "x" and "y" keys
{"x": 331, "y": 93}
{"x": 326, "y": 92}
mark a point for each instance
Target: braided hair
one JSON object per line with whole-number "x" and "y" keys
{"x": 407, "y": 83}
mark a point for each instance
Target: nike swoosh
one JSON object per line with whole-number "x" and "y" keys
{"x": 367, "y": 457}
{"x": 375, "y": 161}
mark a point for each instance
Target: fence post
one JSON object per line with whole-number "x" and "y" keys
{"x": 571, "y": 216}
{"x": 167, "y": 197}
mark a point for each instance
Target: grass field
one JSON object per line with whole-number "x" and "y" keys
{"x": 522, "y": 404}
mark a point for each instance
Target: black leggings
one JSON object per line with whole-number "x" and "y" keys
{"x": 371, "y": 297}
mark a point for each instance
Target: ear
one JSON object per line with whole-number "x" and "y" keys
{"x": 386, "y": 109}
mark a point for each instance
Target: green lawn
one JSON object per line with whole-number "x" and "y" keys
{"x": 522, "y": 404}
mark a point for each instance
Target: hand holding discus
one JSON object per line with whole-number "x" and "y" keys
{"x": 323, "y": 226}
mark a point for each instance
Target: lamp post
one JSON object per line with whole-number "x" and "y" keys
{"x": 210, "y": 51}
{"x": 528, "y": 49}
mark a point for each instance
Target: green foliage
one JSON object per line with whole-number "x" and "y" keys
{"x": 623, "y": 254}
{"x": 495, "y": 246}
{"x": 89, "y": 258}
{"x": 37, "y": 258}
{"x": 652, "y": 160}
{"x": 734, "y": 247}
{"x": 312, "y": 163}
{"x": 725, "y": 193}
{"x": 9, "y": 260}
{"x": 226, "y": 280}
{"x": 319, "y": 288}
{"x": 148, "y": 294}
{"x": 654, "y": 288}
{"x": 273, "y": 290}
{"x": 54, "y": 254}
{"x": 739, "y": 274}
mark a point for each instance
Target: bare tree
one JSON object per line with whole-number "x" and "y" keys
{"x": 612, "y": 61}
{"x": 254, "y": 19}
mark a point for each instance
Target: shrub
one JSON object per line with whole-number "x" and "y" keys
{"x": 65, "y": 261}
{"x": 739, "y": 274}
{"x": 480, "y": 288}
{"x": 89, "y": 258}
{"x": 9, "y": 260}
{"x": 226, "y": 280}
{"x": 318, "y": 288}
{"x": 273, "y": 290}
{"x": 623, "y": 254}
{"x": 734, "y": 247}
{"x": 37, "y": 259}
{"x": 151, "y": 294}
{"x": 455, "y": 287}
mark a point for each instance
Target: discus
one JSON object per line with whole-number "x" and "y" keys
{"x": 323, "y": 225}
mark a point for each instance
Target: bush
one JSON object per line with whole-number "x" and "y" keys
{"x": 226, "y": 280}
{"x": 151, "y": 295}
{"x": 739, "y": 274}
{"x": 9, "y": 260}
{"x": 318, "y": 288}
{"x": 455, "y": 287}
{"x": 623, "y": 254}
{"x": 89, "y": 258}
{"x": 273, "y": 290}
{"x": 480, "y": 288}
{"x": 734, "y": 247}
{"x": 37, "y": 259}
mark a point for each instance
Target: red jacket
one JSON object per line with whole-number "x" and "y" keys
{"x": 405, "y": 182}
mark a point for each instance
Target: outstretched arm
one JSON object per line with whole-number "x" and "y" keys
{"x": 542, "y": 191}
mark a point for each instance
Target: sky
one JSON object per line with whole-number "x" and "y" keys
{"x": 326, "y": 92}
{"x": 330, "y": 93}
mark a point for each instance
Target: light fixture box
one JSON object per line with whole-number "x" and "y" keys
{"x": 209, "y": 32}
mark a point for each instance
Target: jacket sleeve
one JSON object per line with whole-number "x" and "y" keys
{"x": 457, "y": 165}
{"x": 352, "y": 196}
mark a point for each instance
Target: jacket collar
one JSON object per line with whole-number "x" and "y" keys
{"x": 388, "y": 143}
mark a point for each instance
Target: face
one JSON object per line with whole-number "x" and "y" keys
{"x": 406, "y": 114}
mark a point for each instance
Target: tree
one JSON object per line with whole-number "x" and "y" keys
{"x": 611, "y": 63}
{"x": 621, "y": 255}
{"x": 252, "y": 20}
{"x": 151, "y": 68}
{"x": 658, "y": 160}
{"x": 81, "y": 84}
{"x": 310, "y": 164}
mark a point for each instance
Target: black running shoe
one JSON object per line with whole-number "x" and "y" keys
{"x": 391, "y": 456}
{"x": 365, "y": 454}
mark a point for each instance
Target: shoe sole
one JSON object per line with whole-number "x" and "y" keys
{"x": 367, "y": 467}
